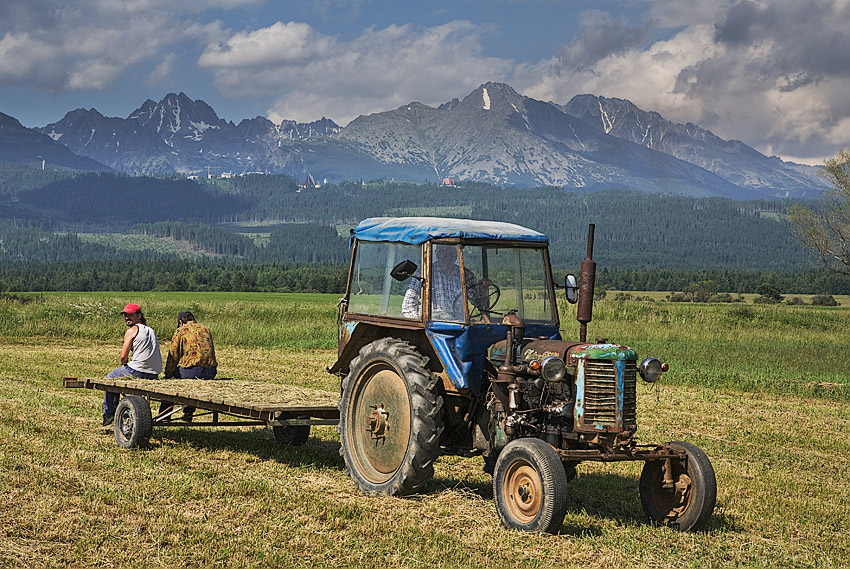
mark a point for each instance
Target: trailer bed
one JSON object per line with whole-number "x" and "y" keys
{"x": 287, "y": 409}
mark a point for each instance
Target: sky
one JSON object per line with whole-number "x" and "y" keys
{"x": 773, "y": 74}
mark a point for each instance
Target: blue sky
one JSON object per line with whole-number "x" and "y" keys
{"x": 773, "y": 74}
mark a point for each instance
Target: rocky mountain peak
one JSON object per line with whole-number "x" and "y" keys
{"x": 493, "y": 134}
{"x": 496, "y": 97}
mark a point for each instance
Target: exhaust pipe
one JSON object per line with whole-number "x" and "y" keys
{"x": 587, "y": 280}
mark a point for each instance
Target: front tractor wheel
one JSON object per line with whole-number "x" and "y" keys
{"x": 684, "y": 497}
{"x": 390, "y": 419}
{"x": 530, "y": 486}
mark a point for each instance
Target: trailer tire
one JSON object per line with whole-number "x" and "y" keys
{"x": 530, "y": 486}
{"x": 689, "y": 505}
{"x": 133, "y": 422}
{"x": 295, "y": 435}
{"x": 390, "y": 419}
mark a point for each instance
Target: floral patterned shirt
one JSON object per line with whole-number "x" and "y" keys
{"x": 191, "y": 345}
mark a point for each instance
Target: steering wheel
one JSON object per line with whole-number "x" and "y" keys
{"x": 492, "y": 292}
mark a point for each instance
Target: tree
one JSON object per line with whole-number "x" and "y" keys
{"x": 768, "y": 294}
{"x": 827, "y": 230}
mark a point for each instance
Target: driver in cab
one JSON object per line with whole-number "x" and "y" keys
{"x": 446, "y": 290}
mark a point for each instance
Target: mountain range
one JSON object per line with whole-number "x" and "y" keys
{"x": 493, "y": 135}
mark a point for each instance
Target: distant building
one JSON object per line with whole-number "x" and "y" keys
{"x": 448, "y": 182}
{"x": 227, "y": 175}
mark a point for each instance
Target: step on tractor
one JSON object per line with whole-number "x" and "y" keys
{"x": 449, "y": 343}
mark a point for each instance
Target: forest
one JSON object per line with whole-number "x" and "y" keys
{"x": 251, "y": 226}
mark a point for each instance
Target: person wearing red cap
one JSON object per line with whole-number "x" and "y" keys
{"x": 145, "y": 361}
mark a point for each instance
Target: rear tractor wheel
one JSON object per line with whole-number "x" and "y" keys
{"x": 390, "y": 419}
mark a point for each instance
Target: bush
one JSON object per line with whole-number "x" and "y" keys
{"x": 720, "y": 297}
{"x": 679, "y": 297}
{"x": 796, "y": 301}
{"x": 824, "y": 300}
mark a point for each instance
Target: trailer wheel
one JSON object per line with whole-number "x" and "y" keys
{"x": 390, "y": 419}
{"x": 530, "y": 486}
{"x": 295, "y": 435}
{"x": 688, "y": 504}
{"x": 133, "y": 422}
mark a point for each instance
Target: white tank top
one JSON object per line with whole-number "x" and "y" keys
{"x": 146, "y": 357}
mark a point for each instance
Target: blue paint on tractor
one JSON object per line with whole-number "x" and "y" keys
{"x": 463, "y": 349}
{"x": 620, "y": 367}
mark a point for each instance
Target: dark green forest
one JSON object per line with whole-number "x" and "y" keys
{"x": 240, "y": 231}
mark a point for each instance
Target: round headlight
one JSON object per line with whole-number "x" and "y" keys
{"x": 553, "y": 369}
{"x": 650, "y": 369}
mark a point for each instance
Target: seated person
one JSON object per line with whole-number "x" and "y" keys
{"x": 446, "y": 297}
{"x": 191, "y": 355}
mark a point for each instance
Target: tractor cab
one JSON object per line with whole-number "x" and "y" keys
{"x": 446, "y": 285}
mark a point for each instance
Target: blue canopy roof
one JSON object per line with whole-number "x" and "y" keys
{"x": 417, "y": 230}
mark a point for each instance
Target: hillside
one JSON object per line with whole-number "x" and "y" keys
{"x": 633, "y": 229}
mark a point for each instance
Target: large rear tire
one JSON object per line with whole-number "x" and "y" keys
{"x": 689, "y": 502}
{"x": 390, "y": 419}
{"x": 530, "y": 486}
{"x": 133, "y": 422}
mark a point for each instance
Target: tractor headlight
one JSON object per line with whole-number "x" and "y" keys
{"x": 553, "y": 368}
{"x": 651, "y": 368}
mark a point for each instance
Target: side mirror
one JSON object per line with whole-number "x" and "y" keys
{"x": 571, "y": 285}
{"x": 404, "y": 270}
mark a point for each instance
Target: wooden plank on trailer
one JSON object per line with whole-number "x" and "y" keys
{"x": 244, "y": 397}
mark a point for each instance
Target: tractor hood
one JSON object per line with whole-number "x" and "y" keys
{"x": 567, "y": 351}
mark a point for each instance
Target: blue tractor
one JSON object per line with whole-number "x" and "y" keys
{"x": 449, "y": 343}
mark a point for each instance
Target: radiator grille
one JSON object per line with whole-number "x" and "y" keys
{"x": 600, "y": 393}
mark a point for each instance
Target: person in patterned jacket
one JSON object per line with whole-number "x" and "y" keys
{"x": 191, "y": 354}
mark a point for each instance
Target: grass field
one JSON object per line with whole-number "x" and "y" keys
{"x": 762, "y": 389}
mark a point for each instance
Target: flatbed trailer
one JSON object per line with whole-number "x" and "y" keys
{"x": 289, "y": 410}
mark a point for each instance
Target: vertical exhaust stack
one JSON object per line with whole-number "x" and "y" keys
{"x": 587, "y": 278}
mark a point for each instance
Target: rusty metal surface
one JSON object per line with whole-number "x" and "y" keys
{"x": 656, "y": 452}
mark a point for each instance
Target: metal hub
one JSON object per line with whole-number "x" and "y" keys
{"x": 379, "y": 422}
{"x": 524, "y": 492}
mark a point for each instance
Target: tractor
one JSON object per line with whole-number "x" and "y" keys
{"x": 449, "y": 343}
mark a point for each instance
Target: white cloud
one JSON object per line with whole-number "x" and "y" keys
{"x": 773, "y": 74}
{"x": 162, "y": 71}
{"x": 90, "y": 44}
{"x": 318, "y": 75}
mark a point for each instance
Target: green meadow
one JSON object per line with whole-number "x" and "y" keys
{"x": 763, "y": 389}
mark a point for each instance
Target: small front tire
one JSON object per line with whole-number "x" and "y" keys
{"x": 133, "y": 422}
{"x": 530, "y": 486}
{"x": 689, "y": 503}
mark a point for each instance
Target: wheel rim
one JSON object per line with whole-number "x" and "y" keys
{"x": 125, "y": 423}
{"x": 523, "y": 492}
{"x": 671, "y": 503}
{"x": 378, "y": 423}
